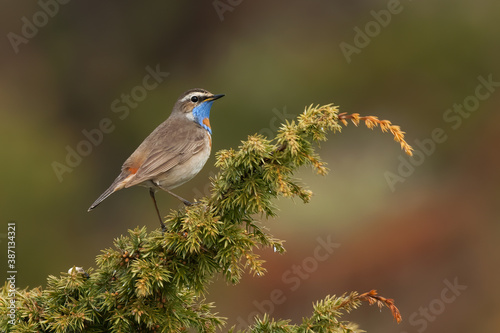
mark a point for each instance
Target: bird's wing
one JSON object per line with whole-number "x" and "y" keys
{"x": 167, "y": 149}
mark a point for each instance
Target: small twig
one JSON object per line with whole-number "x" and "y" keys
{"x": 385, "y": 126}
{"x": 372, "y": 298}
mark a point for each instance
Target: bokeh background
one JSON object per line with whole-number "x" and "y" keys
{"x": 271, "y": 59}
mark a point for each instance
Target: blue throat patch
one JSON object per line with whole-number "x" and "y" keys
{"x": 201, "y": 112}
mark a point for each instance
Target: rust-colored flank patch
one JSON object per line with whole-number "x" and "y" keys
{"x": 133, "y": 170}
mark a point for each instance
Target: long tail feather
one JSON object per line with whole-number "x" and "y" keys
{"x": 118, "y": 184}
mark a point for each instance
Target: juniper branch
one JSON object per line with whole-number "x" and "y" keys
{"x": 154, "y": 282}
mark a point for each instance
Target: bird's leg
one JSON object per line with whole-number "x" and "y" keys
{"x": 184, "y": 201}
{"x": 152, "y": 194}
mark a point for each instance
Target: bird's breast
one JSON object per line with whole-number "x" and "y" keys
{"x": 184, "y": 172}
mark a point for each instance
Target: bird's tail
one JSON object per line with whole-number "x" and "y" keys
{"x": 118, "y": 184}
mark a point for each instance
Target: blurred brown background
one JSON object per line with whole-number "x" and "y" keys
{"x": 429, "y": 239}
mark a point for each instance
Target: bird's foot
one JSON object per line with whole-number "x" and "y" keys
{"x": 163, "y": 227}
{"x": 188, "y": 203}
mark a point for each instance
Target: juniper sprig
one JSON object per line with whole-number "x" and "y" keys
{"x": 154, "y": 282}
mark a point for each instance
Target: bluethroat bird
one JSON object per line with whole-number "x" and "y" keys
{"x": 173, "y": 153}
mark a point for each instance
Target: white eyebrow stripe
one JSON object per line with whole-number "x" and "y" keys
{"x": 188, "y": 97}
{"x": 199, "y": 94}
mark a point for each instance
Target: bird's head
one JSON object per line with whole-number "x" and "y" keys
{"x": 195, "y": 105}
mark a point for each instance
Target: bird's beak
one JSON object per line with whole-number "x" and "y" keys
{"x": 213, "y": 98}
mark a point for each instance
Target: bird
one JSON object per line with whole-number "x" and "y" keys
{"x": 173, "y": 153}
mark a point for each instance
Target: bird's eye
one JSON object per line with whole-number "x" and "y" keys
{"x": 194, "y": 99}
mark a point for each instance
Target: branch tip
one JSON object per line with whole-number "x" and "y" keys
{"x": 373, "y": 298}
{"x": 385, "y": 125}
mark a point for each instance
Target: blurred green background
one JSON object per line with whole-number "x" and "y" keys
{"x": 410, "y": 240}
